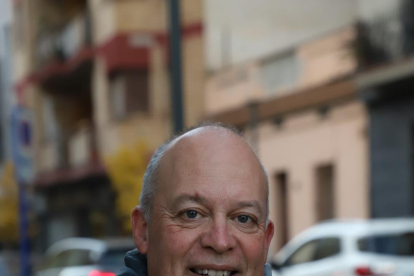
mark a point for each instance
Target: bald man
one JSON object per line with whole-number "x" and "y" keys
{"x": 203, "y": 209}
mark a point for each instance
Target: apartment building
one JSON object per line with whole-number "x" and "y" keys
{"x": 300, "y": 110}
{"x": 95, "y": 74}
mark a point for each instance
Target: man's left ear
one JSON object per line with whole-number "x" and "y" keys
{"x": 139, "y": 230}
{"x": 268, "y": 236}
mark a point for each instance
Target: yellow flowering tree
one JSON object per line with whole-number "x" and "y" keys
{"x": 126, "y": 170}
{"x": 9, "y": 198}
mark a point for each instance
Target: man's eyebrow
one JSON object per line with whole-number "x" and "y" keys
{"x": 251, "y": 204}
{"x": 203, "y": 200}
{"x": 187, "y": 197}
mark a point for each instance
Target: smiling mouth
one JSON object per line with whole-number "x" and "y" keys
{"x": 211, "y": 272}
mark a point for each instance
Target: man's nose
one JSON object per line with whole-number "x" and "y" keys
{"x": 218, "y": 236}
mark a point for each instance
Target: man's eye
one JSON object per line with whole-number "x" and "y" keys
{"x": 243, "y": 218}
{"x": 191, "y": 214}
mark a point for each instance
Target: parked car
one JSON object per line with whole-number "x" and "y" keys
{"x": 350, "y": 248}
{"x": 85, "y": 257}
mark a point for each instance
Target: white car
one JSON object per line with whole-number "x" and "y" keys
{"x": 382, "y": 247}
{"x": 85, "y": 257}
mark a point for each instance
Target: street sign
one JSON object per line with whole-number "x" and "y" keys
{"x": 22, "y": 143}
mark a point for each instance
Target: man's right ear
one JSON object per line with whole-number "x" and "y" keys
{"x": 139, "y": 230}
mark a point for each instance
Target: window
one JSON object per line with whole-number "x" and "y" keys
{"x": 315, "y": 250}
{"x": 390, "y": 244}
{"x": 281, "y": 72}
{"x": 282, "y": 207}
{"x": 129, "y": 93}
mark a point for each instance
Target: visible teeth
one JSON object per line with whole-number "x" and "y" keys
{"x": 213, "y": 272}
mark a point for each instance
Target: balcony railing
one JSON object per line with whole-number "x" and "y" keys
{"x": 82, "y": 148}
{"x": 76, "y": 150}
{"x": 386, "y": 39}
{"x": 66, "y": 43}
{"x": 52, "y": 155}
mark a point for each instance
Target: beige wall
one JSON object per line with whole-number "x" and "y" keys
{"x": 233, "y": 88}
{"x": 154, "y": 127}
{"x": 151, "y": 16}
{"x": 103, "y": 20}
{"x": 320, "y": 60}
{"x": 193, "y": 79}
{"x": 327, "y": 58}
{"x": 305, "y": 141}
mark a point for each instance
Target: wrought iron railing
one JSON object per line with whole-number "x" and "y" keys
{"x": 66, "y": 43}
{"x": 386, "y": 39}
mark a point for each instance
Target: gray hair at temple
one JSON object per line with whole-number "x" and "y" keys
{"x": 149, "y": 185}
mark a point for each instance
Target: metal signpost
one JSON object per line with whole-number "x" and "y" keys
{"x": 21, "y": 128}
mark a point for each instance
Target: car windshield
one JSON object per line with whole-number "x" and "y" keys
{"x": 389, "y": 244}
{"x": 114, "y": 257}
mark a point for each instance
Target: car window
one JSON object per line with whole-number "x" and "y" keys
{"x": 72, "y": 257}
{"x": 390, "y": 244}
{"x": 58, "y": 260}
{"x": 315, "y": 250}
{"x": 304, "y": 254}
{"x": 327, "y": 247}
{"x": 78, "y": 257}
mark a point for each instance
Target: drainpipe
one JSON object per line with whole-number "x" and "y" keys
{"x": 253, "y": 126}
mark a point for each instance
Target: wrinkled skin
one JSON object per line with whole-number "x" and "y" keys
{"x": 209, "y": 210}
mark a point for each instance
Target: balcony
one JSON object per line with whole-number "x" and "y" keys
{"x": 66, "y": 43}
{"x": 68, "y": 160}
{"x": 385, "y": 39}
{"x": 311, "y": 64}
{"x": 81, "y": 147}
{"x": 77, "y": 150}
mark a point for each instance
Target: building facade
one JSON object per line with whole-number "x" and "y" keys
{"x": 385, "y": 84}
{"x": 301, "y": 112}
{"x": 95, "y": 73}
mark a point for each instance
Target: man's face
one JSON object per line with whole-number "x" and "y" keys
{"x": 209, "y": 212}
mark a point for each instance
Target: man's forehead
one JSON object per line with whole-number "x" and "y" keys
{"x": 207, "y": 137}
{"x": 205, "y": 149}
